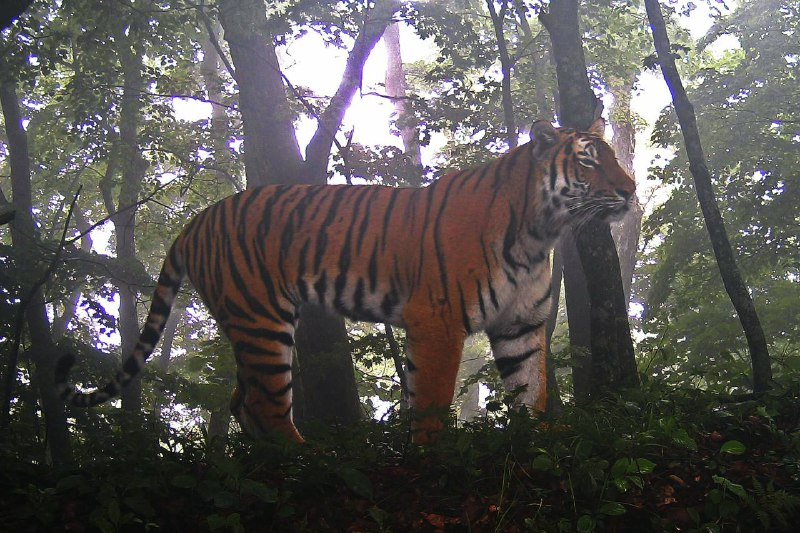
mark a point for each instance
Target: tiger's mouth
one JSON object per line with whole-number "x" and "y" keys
{"x": 609, "y": 208}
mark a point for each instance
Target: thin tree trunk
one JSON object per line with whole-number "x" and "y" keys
{"x": 613, "y": 363}
{"x": 731, "y": 277}
{"x": 210, "y": 71}
{"x": 625, "y": 232}
{"x": 133, "y": 168}
{"x": 505, "y": 68}
{"x": 554, "y": 403}
{"x": 399, "y": 367}
{"x": 23, "y": 237}
{"x": 61, "y": 322}
{"x": 396, "y": 89}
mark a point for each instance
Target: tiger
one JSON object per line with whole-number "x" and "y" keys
{"x": 468, "y": 253}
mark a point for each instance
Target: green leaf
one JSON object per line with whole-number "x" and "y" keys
{"x": 643, "y": 466}
{"x": 224, "y": 499}
{"x": 356, "y": 481}
{"x": 586, "y": 524}
{"x": 681, "y": 437}
{"x": 69, "y": 483}
{"x": 216, "y": 522}
{"x": 542, "y": 462}
{"x": 261, "y": 491}
{"x": 733, "y": 447}
{"x": 140, "y": 506}
{"x": 730, "y": 486}
{"x": 612, "y": 509}
{"x": 184, "y": 481}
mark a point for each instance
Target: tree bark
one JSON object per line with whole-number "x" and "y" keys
{"x": 328, "y": 379}
{"x": 613, "y": 364}
{"x": 24, "y": 240}
{"x": 271, "y": 150}
{"x": 731, "y": 277}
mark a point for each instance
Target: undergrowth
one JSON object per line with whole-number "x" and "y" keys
{"x": 647, "y": 460}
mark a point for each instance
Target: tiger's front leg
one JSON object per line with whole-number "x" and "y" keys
{"x": 435, "y": 354}
{"x": 519, "y": 353}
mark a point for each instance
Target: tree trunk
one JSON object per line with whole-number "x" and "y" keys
{"x": 61, "y": 322}
{"x": 132, "y": 167}
{"x": 731, "y": 277}
{"x": 625, "y": 232}
{"x": 272, "y": 155}
{"x": 396, "y": 89}
{"x": 271, "y": 150}
{"x": 210, "y": 72}
{"x": 23, "y": 238}
{"x": 613, "y": 364}
{"x": 554, "y": 402}
{"x": 328, "y": 380}
{"x": 505, "y": 68}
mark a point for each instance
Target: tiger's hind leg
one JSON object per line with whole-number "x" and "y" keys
{"x": 433, "y": 365}
{"x": 262, "y": 399}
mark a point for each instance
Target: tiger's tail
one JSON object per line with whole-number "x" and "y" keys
{"x": 169, "y": 281}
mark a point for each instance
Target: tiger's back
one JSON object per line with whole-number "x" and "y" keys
{"x": 468, "y": 253}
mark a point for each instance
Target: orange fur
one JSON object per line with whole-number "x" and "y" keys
{"x": 468, "y": 253}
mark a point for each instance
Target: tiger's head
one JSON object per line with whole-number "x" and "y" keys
{"x": 584, "y": 180}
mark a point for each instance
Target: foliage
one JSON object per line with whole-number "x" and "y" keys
{"x": 751, "y": 147}
{"x": 676, "y": 461}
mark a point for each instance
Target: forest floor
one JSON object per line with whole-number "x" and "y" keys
{"x": 643, "y": 461}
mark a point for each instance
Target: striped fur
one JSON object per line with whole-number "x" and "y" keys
{"x": 468, "y": 253}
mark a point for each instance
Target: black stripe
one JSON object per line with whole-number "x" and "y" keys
{"x": 364, "y": 227}
{"x": 437, "y": 241}
{"x": 372, "y": 268}
{"x": 553, "y": 171}
{"x": 508, "y": 336}
{"x": 510, "y": 239}
{"x": 281, "y": 337}
{"x": 464, "y": 314}
{"x": 285, "y": 414}
{"x": 387, "y": 215}
{"x": 270, "y": 369}
{"x": 149, "y": 336}
{"x": 272, "y": 396}
{"x": 480, "y": 298}
{"x": 320, "y": 286}
{"x": 246, "y": 347}
{"x": 509, "y": 365}
{"x": 322, "y": 239}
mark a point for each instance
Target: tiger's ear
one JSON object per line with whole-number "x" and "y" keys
{"x": 544, "y": 136}
{"x": 598, "y": 127}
